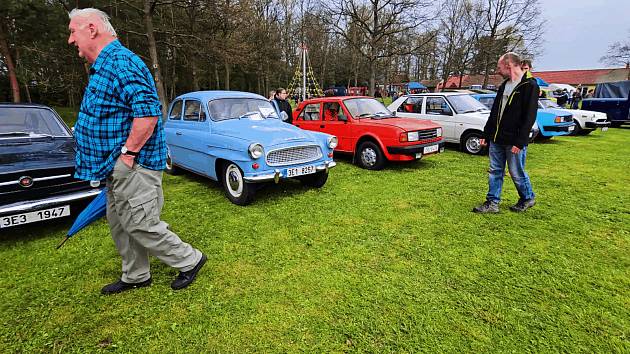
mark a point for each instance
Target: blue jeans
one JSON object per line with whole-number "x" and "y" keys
{"x": 499, "y": 155}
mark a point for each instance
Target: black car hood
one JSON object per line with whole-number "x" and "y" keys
{"x": 26, "y": 154}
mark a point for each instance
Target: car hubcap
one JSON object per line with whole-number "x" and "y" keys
{"x": 234, "y": 180}
{"x": 473, "y": 144}
{"x": 368, "y": 156}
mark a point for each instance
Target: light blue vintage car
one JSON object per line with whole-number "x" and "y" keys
{"x": 238, "y": 139}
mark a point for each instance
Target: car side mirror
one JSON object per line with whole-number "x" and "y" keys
{"x": 284, "y": 116}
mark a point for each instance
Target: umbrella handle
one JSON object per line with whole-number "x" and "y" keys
{"x": 62, "y": 242}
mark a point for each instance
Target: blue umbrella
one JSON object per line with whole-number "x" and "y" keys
{"x": 541, "y": 82}
{"x": 94, "y": 211}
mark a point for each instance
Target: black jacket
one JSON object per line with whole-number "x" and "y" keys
{"x": 519, "y": 114}
{"x": 285, "y": 106}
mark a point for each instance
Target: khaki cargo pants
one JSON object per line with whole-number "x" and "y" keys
{"x": 134, "y": 204}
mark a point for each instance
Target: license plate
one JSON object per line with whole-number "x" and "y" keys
{"x": 571, "y": 128}
{"x": 604, "y": 129}
{"x": 430, "y": 149}
{"x": 34, "y": 216}
{"x": 299, "y": 171}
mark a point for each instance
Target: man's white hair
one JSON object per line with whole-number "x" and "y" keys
{"x": 90, "y": 11}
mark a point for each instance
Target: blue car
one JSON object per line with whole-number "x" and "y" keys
{"x": 550, "y": 122}
{"x": 238, "y": 139}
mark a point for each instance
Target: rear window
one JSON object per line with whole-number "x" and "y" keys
{"x": 30, "y": 120}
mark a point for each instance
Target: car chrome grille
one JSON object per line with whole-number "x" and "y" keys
{"x": 427, "y": 134}
{"x": 293, "y": 155}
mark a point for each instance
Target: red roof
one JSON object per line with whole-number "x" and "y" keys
{"x": 583, "y": 77}
{"x": 467, "y": 80}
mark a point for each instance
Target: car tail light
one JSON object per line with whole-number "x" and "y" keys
{"x": 403, "y": 137}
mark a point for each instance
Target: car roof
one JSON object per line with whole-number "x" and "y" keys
{"x": 484, "y": 95}
{"x": 216, "y": 94}
{"x": 23, "y": 105}
{"x": 437, "y": 94}
{"x": 334, "y": 98}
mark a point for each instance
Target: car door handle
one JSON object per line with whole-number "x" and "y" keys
{"x": 322, "y": 126}
{"x": 178, "y": 133}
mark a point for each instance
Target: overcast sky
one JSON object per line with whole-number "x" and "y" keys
{"x": 579, "y": 32}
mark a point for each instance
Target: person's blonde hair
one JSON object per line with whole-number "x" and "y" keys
{"x": 102, "y": 16}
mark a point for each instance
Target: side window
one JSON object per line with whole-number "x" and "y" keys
{"x": 310, "y": 112}
{"x": 437, "y": 106}
{"x": 192, "y": 111}
{"x": 411, "y": 105}
{"x": 333, "y": 112}
{"x": 176, "y": 111}
{"x": 488, "y": 102}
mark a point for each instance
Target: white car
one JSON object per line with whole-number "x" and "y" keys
{"x": 461, "y": 116}
{"x": 585, "y": 121}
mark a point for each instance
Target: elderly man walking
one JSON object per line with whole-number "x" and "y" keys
{"x": 120, "y": 139}
{"x": 507, "y": 131}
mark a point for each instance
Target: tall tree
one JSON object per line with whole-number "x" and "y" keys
{"x": 376, "y": 20}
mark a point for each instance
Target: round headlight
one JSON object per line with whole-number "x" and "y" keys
{"x": 332, "y": 142}
{"x": 255, "y": 150}
{"x": 439, "y": 132}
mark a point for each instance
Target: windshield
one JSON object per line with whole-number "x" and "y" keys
{"x": 30, "y": 122}
{"x": 466, "y": 104}
{"x": 548, "y": 104}
{"x": 367, "y": 107}
{"x": 235, "y": 108}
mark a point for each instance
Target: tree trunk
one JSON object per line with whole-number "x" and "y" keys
{"x": 227, "y": 74}
{"x": 157, "y": 75}
{"x": 6, "y": 53}
{"x": 195, "y": 79}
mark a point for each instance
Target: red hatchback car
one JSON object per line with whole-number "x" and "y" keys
{"x": 365, "y": 128}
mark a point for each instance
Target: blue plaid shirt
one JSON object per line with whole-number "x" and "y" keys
{"x": 120, "y": 89}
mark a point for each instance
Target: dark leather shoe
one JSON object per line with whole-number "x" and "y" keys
{"x": 486, "y": 207}
{"x": 120, "y": 286}
{"x": 186, "y": 278}
{"x": 523, "y": 205}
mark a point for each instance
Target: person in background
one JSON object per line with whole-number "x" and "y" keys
{"x": 120, "y": 139}
{"x": 526, "y": 65}
{"x": 589, "y": 94}
{"x": 577, "y": 98}
{"x": 282, "y": 104}
{"x": 507, "y": 132}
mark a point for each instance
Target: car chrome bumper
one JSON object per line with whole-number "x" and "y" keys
{"x": 277, "y": 174}
{"x": 596, "y": 125}
{"x": 32, "y": 205}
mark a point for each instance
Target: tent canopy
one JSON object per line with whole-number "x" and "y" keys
{"x": 620, "y": 89}
{"x": 541, "y": 82}
{"x": 415, "y": 85}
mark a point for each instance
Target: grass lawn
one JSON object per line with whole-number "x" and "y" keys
{"x": 385, "y": 261}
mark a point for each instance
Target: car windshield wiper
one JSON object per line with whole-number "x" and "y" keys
{"x": 15, "y": 134}
{"x": 249, "y": 114}
{"x": 363, "y": 115}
